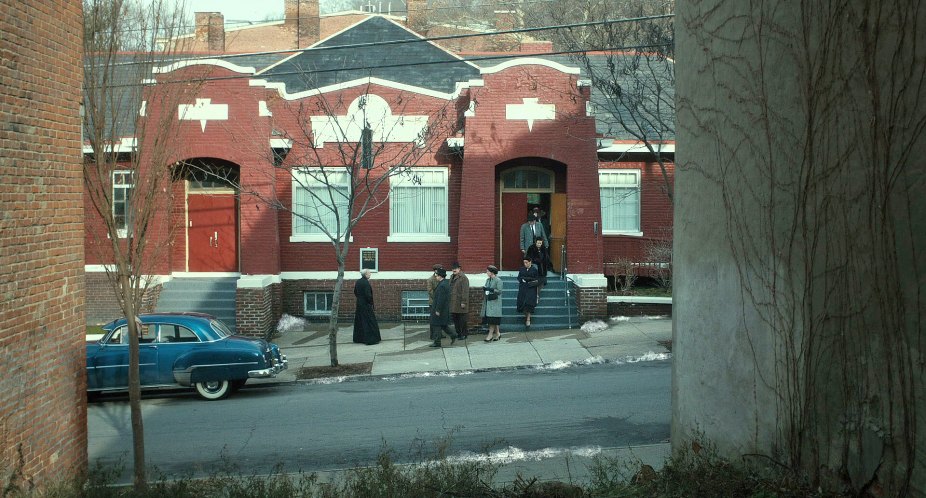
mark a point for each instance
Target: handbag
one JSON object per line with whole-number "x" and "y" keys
{"x": 491, "y": 295}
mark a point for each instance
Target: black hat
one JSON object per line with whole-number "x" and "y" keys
{"x": 442, "y": 273}
{"x": 455, "y": 265}
{"x": 492, "y": 269}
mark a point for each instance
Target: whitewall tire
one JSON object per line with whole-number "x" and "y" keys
{"x": 213, "y": 390}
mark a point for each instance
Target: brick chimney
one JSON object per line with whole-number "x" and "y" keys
{"x": 210, "y": 28}
{"x": 216, "y": 32}
{"x": 302, "y": 16}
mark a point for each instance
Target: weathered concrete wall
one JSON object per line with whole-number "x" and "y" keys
{"x": 800, "y": 235}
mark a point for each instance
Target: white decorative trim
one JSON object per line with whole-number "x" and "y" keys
{"x": 470, "y": 109}
{"x": 640, "y": 299}
{"x": 205, "y": 274}
{"x": 204, "y": 62}
{"x": 149, "y": 81}
{"x": 281, "y": 88}
{"x": 281, "y": 143}
{"x": 263, "y": 110}
{"x": 627, "y": 234}
{"x": 258, "y": 281}
{"x": 535, "y": 61}
{"x": 583, "y": 83}
{"x": 126, "y": 144}
{"x": 353, "y": 275}
{"x": 589, "y": 280}
{"x": 314, "y": 237}
{"x": 530, "y": 110}
{"x": 455, "y": 142}
{"x": 143, "y": 109}
{"x": 418, "y": 238}
{"x": 97, "y": 268}
{"x": 203, "y": 110}
{"x": 605, "y": 147}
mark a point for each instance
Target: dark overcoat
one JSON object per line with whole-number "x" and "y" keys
{"x": 366, "y": 328}
{"x": 441, "y": 304}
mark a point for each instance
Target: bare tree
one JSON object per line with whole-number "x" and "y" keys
{"x": 347, "y": 152}
{"x": 630, "y": 64}
{"x": 125, "y": 169}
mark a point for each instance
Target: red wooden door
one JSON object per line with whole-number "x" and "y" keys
{"x": 514, "y": 213}
{"x": 212, "y": 232}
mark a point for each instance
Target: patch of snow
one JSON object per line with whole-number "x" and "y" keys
{"x": 421, "y": 375}
{"x": 288, "y": 323}
{"x": 651, "y": 356}
{"x": 514, "y": 454}
{"x": 617, "y": 319}
{"x": 559, "y": 364}
{"x": 594, "y": 326}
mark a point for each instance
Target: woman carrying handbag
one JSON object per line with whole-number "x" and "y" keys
{"x": 492, "y": 304}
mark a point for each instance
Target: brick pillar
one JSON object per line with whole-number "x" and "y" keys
{"x": 309, "y": 25}
{"x": 592, "y": 303}
{"x": 256, "y": 305}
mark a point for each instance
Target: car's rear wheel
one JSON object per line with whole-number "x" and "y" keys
{"x": 213, "y": 389}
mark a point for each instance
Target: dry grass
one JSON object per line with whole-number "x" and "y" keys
{"x": 338, "y": 371}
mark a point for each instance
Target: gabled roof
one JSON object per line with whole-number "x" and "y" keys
{"x": 424, "y": 64}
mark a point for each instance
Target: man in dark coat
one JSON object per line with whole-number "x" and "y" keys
{"x": 366, "y": 329}
{"x": 440, "y": 312}
{"x": 459, "y": 297}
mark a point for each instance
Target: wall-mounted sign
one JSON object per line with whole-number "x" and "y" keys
{"x": 369, "y": 259}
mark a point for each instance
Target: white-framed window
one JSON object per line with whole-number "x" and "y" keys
{"x": 320, "y": 199}
{"x": 317, "y": 303}
{"x": 418, "y": 209}
{"x": 123, "y": 186}
{"x": 620, "y": 201}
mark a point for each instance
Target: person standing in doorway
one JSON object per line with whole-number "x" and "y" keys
{"x": 459, "y": 299}
{"x": 492, "y": 304}
{"x": 440, "y": 312}
{"x": 540, "y": 256}
{"x": 528, "y": 280}
{"x": 366, "y": 328}
{"x": 530, "y": 230}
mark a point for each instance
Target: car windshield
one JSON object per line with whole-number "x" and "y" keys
{"x": 220, "y": 328}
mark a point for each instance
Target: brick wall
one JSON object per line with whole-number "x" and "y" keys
{"x": 254, "y": 311}
{"x": 100, "y": 303}
{"x": 655, "y": 212}
{"x": 592, "y": 302}
{"x": 43, "y": 410}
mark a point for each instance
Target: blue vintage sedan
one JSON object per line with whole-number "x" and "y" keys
{"x": 181, "y": 349}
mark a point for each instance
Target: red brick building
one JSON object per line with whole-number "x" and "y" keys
{"x": 482, "y": 143}
{"x": 43, "y": 410}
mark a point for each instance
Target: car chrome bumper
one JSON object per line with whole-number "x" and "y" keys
{"x": 272, "y": 371}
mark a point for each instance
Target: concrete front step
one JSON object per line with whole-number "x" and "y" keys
{"x": 204, "y": 295}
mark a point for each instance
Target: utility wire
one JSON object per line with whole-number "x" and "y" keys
{"x": 410, "y": 40}
{"x": 503, "y": 56}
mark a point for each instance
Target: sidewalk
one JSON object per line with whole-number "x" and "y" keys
{"x": 404, "y": 348}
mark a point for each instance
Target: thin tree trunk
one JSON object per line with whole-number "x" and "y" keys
{"x": 138, "y": 429}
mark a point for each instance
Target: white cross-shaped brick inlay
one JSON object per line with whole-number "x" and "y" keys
{"x": 530, "y": 110}
{"x": 203, "y": 110}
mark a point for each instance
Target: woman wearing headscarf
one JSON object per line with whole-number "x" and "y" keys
{"x": 492, "y": 304}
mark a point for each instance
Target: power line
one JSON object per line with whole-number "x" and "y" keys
{"x": 416, "y": 40}
{"x": 499, "y": 57}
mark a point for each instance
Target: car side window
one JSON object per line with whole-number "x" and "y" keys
{"x": 146, "y": 334}
{"x": 117, "y": 336}
{"x": 177, "y": 333}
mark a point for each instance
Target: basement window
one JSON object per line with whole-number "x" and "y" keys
{"x": 317, "y": 303}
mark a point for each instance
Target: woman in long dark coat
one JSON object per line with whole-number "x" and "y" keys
{"x": 366, "y": 329}
{"x": 528, "y": 280}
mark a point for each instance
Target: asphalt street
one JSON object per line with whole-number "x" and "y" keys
{"x": 325, "y": 427}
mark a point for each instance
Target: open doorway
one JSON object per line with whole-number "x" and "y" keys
{"x": 521, "y": 190}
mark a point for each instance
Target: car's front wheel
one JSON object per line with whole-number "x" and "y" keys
{"x": 214, "y": 389}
